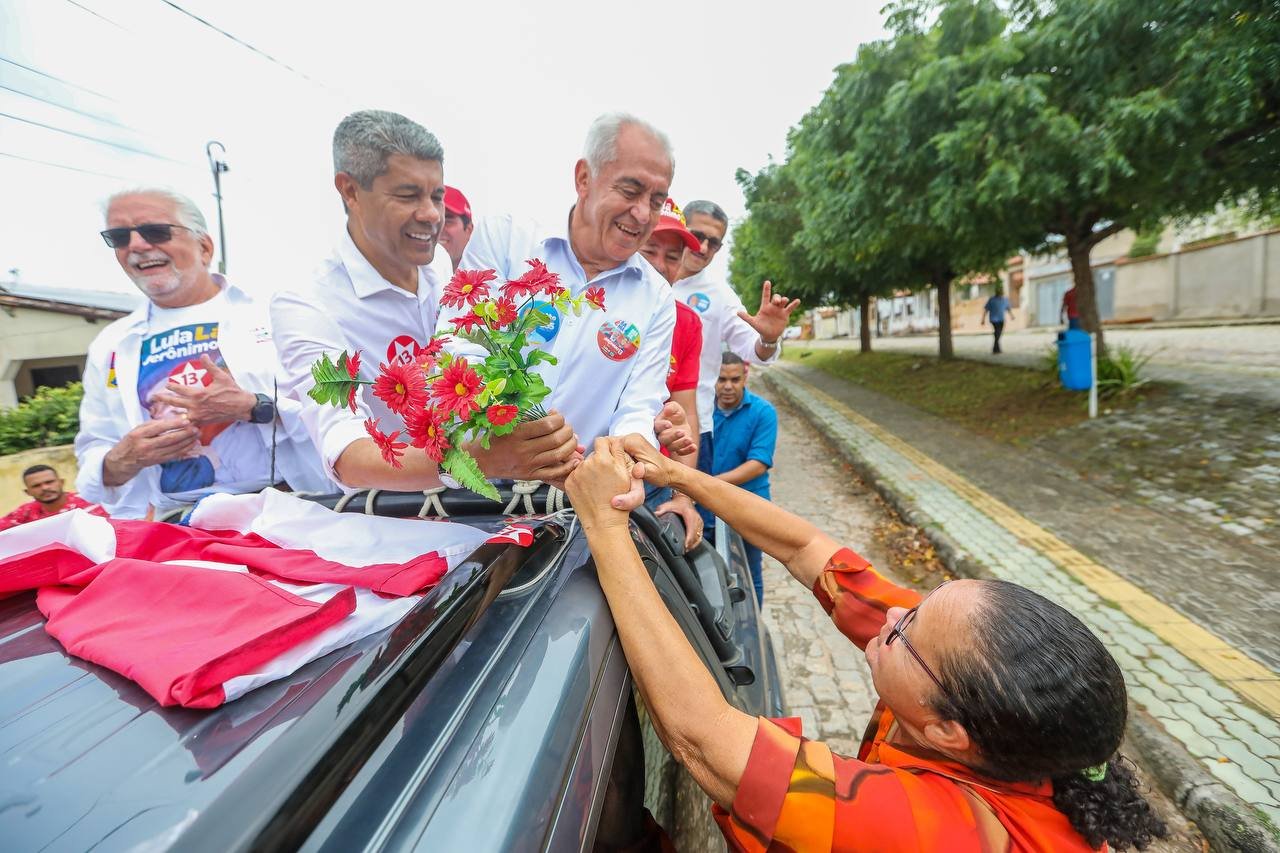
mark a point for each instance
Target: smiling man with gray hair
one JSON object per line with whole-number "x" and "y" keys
{"x": 379, "y": 293}
{"x": 179, "y": 396}
{"x": 611, "y": 370}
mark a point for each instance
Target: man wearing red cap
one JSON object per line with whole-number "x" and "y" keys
{"x": 457, "y": 227}
{"x": 664, "y": 250}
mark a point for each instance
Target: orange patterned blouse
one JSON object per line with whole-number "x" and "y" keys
{"x": 795, "y": 794}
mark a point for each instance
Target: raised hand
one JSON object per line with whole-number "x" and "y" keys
{"x": 774, "y": 314}
{"x": 671, "y": 427}
{"x": 594, "y": 485}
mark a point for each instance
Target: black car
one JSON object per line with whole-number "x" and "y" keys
{"x": 497, "y": 715}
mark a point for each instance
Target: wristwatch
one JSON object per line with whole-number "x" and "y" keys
{"x": 263, "y": 411}
{"x": 768, "y": 344}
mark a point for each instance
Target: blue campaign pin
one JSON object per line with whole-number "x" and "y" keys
{"x": 543, "y": 334}
{"x": 699, "y": 301}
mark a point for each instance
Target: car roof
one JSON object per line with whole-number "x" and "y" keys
{"x": 91, "y": 759}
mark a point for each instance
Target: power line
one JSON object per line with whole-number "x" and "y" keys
{"x": 58, "y": 79}
{"x": 96, "y": 14}
{"x": 85, "y": 113}
{"x": 119, "y": 145}
{"x": 242, "y": 42}
{"x": 60, "y": 166}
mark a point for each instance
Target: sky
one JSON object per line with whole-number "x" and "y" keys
{"x": 100, "y": 95}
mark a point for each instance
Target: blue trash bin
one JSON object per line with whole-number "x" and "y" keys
{"x": 1074, "y": 359}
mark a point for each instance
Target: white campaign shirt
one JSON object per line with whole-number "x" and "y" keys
{"x": 722, "y": 329}
{"x": 350, "y": 306}
{"x": 611, "y": 375}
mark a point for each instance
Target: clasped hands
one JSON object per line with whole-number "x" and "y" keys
{"x": 610, "y": 482}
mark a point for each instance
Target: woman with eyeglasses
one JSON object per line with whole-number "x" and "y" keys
{"x": 999, "y": 719}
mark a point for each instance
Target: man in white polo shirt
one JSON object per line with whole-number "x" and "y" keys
{"x": 726, "y": 325}
{"x": 611, "y": 374}
{"x": 379, "y": 293}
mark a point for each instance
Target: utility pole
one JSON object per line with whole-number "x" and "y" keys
{"x": 217, "y": 166}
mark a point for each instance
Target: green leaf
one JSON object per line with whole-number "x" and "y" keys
{"x": 333, "y": 384}
{"x": 477, "y": 338}
{"x": 539, "y": 356}
{"x": 497, "y": 386}
{"x": 463, "y": 467}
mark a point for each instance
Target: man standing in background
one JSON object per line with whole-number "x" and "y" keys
{"x": 457, "y": 227}
{"x": 995, "y": 309}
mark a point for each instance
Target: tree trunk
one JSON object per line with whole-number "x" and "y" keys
{"x": 865, "y": 303}
{"x": 1078, "y": 249}
{"x": 942, "y": 284}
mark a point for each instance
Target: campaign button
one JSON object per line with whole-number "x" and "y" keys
{"x": 618, "y": 340}
{"x": 543, "y": 334}
{"x": 403, "y": 349}
{"x": 699, "y": 301}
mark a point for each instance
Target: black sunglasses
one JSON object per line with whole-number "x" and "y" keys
{"x": 713, "y": 243}
{"x": 896, "y": 633}
{"x": 154, "y": 233}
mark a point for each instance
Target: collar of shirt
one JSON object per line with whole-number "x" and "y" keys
{"x": 557, "y": 241}
{"x": 742, "y": 404}
{"x": 366, "y": 281}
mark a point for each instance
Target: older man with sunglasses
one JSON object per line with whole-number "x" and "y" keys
{"x": 726, "y": 325}
{"x": 179, "y": 396}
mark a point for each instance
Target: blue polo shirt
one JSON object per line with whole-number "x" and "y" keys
{"x": 747, "y": 432}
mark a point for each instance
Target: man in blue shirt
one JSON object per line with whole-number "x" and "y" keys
{"x": 746, "y": 430}
{"x": 995, "y": 308}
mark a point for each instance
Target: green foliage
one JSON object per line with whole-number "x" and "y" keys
{"x": 463, "y": 467}
{"x": 333, "y": 382}
{"x": 48, "y": 418}
{"x": 1145, "y": 243}
{"x": 1120, "y": 370}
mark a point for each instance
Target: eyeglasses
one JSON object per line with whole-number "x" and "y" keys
{"x": 713, "y": 243}
{"x": 154, "y": 233}
{"x": 896, "y": 632}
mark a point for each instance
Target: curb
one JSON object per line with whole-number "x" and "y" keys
{"x": 1227, "y": 822}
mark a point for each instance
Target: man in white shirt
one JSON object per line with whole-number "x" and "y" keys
{"x": 611, "y": 370}
{"x": 379, "y": 294}
{"x": 726, "y": 325}
{"x": 179, "y": 396}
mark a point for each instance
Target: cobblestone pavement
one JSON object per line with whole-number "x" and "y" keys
{"x": 825, "y": 677}
{"x": 1241, "y": 360}
{"x": 1164, "y": 660}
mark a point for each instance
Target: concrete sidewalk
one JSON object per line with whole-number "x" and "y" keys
{"x": 1220, "y": 703}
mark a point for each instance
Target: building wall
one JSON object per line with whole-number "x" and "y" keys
{"x": 29, "y": 334}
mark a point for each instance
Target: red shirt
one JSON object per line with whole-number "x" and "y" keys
{"x": 1069, "y": 303}
{"x": 34, "y": 511}
{"x": 686, "y": 350}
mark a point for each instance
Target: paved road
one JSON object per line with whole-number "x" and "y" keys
{"x": 1216, "y": 359}
{"x": 826, "y": 679}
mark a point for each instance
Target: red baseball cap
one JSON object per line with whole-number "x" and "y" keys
{"x": 456, "y": 203}
{"x": 672, "y": 219}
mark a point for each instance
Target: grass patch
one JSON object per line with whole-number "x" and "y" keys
{"x": 1010, "y": 404}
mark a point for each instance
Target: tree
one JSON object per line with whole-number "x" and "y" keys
{"x": 1099, "y": 115}
{"x": 867, "y": 160}
{"x": 767, "y": 245}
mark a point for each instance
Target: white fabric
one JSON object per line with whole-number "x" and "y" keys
{"x": 350, "y": 306}
{"x": 290, "y": 522}
{"x": 111, "y": 407}
{"x": 597, "y": 395}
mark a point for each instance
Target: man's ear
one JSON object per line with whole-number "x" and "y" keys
{"x": 206, "y": 250}
{"x": 581, "y": 177}
{"x": 347, "y": 187}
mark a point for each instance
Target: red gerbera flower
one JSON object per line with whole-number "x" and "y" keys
{"x": 554, "y": 292}
{"x": 595, "y": 295}
{"x": 353, "y": 364}
{"x": 500, "y": 415}
{"x": 403, "y": 387}
{"x": 426, "y": 431}
{"x": 537, "y": 279}
{"x": 506, "y": 312}
{"x": 467, "y": 287}
{"x": 467, "y": 322}
{"x": 434, "y": 347}
{"x": 391, "y": 449}
{"x": 456, "y": 390}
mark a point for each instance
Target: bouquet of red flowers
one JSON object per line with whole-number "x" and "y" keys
{"x": 445, "y": 401}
